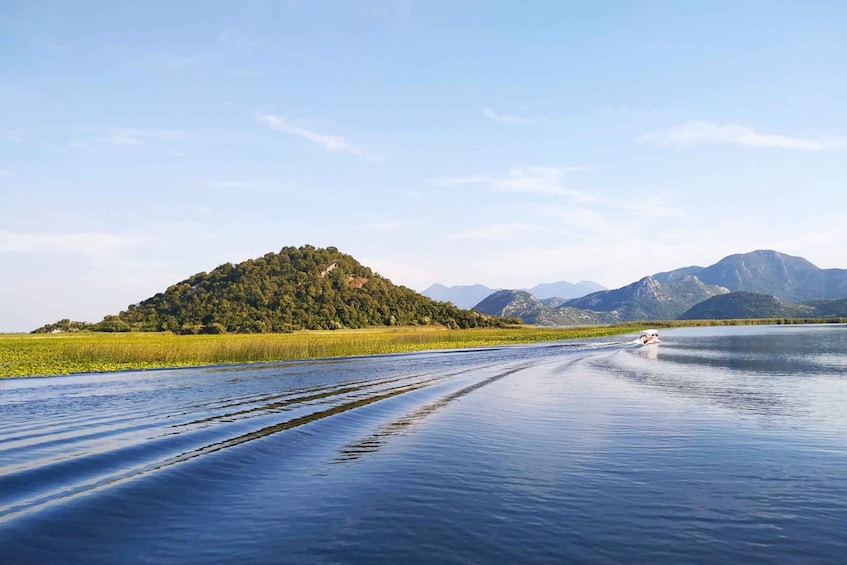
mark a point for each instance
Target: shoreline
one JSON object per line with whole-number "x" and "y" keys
{"x": 45, "y": 355}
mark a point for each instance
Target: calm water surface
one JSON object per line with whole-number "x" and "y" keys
{"x": 719, "y": 445}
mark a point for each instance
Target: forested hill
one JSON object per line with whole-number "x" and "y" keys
{"x": 297, "y": 288}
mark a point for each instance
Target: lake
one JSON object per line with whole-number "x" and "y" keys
{"x": 718, "y": 445}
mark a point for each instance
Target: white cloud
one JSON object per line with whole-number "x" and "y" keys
{"x": 328, "y": 142}
{"x": 696, "y": 132}
{"x": 537, "y": 180}
{"x": 500, "y": 232}
{"x": 4, "y": 172}
{"x": 652, "y": 204}
{"x": 80, "y": 243}
{"x": 13, "y": 138}
{"x": 512, "y": 119}
{"x": 130, "y": 136}
{"x": 231, "y": 184}
{"x": 389, "y": 225}
{"x": 527, "y": 179}
{"x": 121, "y": 139}
{"x": 460, "y": 181}
{"x": 574, "y": 221}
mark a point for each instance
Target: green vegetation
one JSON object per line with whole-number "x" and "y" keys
{"x": 297, "y": 288}
{"x": 64, "y": 325}
{"x": 742, "y": 322}
{"x": 521, "y": 304}
{"x": 648, "y": 299}
{"x": 792, "y": 279}
{"x": 82, "y": 352}
{"x": 87, "y": 352}
{"x": 741, "y": 304}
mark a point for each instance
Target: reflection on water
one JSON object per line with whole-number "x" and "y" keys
{"x": 718, "y": 445}
{"x": 374, "y": 441}
{"x": 648, "y": 351}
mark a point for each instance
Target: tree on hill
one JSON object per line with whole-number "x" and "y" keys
{"x": 64, "y": 325}
{"x": 298, "y": 288}
{"x": 742, "y": 305}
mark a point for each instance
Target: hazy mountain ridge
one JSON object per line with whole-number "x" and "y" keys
{"x": 297, "y": 288}
{"x": 564, "y": 289}
{"x": 522, "y": 304}
{"x": 742, "y": 304}
{"x": 789, "y": 278}
{"x": 312, "y": 288}
{"x": 759, "y": 284}
{"x": 648, "y": 299}
{"x": 463, "y": 296}
{"x": 468, "y": 296}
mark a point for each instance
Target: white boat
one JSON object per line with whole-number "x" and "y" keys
{"x": 648, "y": 337}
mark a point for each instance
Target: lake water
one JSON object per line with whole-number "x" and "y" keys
{"x": 719, "y": 445}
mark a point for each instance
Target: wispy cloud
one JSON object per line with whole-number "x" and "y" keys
{"x": 492, "y": 232}
{"x": 527, "y": 179}
{"x": 180, "y": 62}
{"x": 12, "y": 136}
{"x": 90, "y": 243}
{"x": 232, "y": 184}
{"x": 513, "y": 119}
{"x": 696, "y": 132}
{"x": 131, "y": 136}
{"x": 389, "y": 225}
{"x": 461, "y": 181}
{"x": 328, "y": 142}
{"x": 537, "y": 180}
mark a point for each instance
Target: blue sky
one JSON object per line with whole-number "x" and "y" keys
{"x": 500, "y": 143}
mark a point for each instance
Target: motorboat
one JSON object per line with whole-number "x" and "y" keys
{"x": 648, "y": 337}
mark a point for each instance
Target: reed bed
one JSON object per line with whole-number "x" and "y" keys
{"x": 84, "y": 352}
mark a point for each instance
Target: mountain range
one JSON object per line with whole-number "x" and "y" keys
{"x": 758, "y": 284}
{"x": 312, "y": 288}
{"x": 468, "y": 296}
{"x": 298, "y": 288}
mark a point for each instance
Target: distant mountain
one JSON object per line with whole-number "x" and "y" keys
{"x": 463, "y": 296}
{"x": 677, "y": 274}
{"x": 649, "y": 299}
{"x": 467, "y": 296}
{"x": 742, "y": 305}
{"x": 297, "y": 288}
{"x": 311, "y": 288}
{"x": 521, "y": 304}
{"x": 62, "y": 326}
{"x": 829, "y": 308}
{"x": 553, "y": 302}
{"x": 789, "y": 278}
{"x": 511, "y": 301}
{"x": 759, "y": 284}
{"x": 564, "y": 289}
{"x": 775, "y": 284}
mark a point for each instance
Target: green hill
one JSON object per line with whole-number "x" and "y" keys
{"x": 743, "y": 305}
{"x": 649, "y": 299}
{"x": 297, "y": 288}
{"x": 829, "y": 308}
{"x": 792, "y": 279}
{"x": 750, "y": 305}
{"x": 550, "y": 312}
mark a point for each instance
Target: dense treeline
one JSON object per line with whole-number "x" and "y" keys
{"x": 297, "y": 288}
{"x": 64, "y": 325}
{"x": 741, "y": 305}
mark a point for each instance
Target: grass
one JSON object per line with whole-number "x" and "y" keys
{"x": 85, "y": 352}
